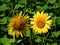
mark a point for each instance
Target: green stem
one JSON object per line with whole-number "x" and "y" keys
{"x": 14, "y": 40}
{"x": 47, "y": 35}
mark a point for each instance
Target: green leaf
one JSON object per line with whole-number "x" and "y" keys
{"x": 19, "y": 40}
{"x": 45, "y": 7}
{"x": 52, "y": 14}
{"x": 3, "y": 7}
{"x": 4, "y": 28}
{"x": 42, "y": 8}
{"x": 6, "y": 41}
{"x": 21, "y": 1}
{"x": 9, "y": 19}
{"x": 38, "y": 39}
{"x": 38, "y": 2}
{"x": 38, "y": 7}
{"x": 49, "y": 40}
{"x": 54, "y": 43}
{"x": 18, "y": 6}
{"x": 55, "y": 34}
{"x": 56, "y": 5}
{"x": 5, "y": 1}
{"x": 28, "y": 34}
{"x": 58, "y": 20}
{"x": 51, "y": 1}
{"x": 48, "y": 44}
{"x": 3, "y": 20}
{"x": 29, "y": 10}
{"x": 2, "y": 15}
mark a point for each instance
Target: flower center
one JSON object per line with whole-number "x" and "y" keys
{"x": 19, "y": 25}
{"x": 40, "y": 24}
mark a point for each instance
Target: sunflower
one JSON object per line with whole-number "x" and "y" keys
{"x": 18, "y": 25}
{"x": 41, "y": 22}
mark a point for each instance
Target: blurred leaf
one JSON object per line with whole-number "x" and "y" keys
{"x": 28, "y": 34}
{"x": 51, "y": 1}
{"x": 38, "y": 39}
{"x": 18, "y": 6}
{"x": 56, "y": 5}
{"x": 42, "y": 8}
{"x": 3, "y": 7}
{"x": 29, "y": 10}
{"x": 5, "y": 1}
{"x": 45, "y": 7}
{"x": 34, "y": 33}
{"x": 2, "y": 15}
{"x": 54, "y": 44}
{"x": 50, "y": 7}
{"x": 38, "y": 7}
{"x": 21, "y": 1}
{"x": 9, "y": 19}
{"x": 58, "y": 20}
{"x": 55, "y": 34}
{"x": 19, "y": 40}
{"x": 52, "y": 14}
{"x": 6, "y": 41}
{"x": 49, "y": 40}
{"x": 38, "y": 2}
{"x": 48, "y": 44}
{"x": 4, "y": 28}
{"x": 3, "y": 20}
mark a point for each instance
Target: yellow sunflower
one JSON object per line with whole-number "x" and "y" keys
{"x": 18, "y": 25}
{"x": 41, "y": 23}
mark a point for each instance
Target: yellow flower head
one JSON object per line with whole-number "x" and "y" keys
{"x": 18, "y": 25}
{"x": 41, "y": 23}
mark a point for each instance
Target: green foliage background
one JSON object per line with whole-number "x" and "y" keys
{"x": 10, "y": 7}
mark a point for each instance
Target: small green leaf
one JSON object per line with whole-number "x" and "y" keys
{"x": 3, "y": 7}
{"x": 54, "y": 43}
{"x": 52, "y": 14}
{"x": 42, "y": 8}
{"x": 38, "y": 7}
{"x": 18, "y": 6}
{"x": 51, "y": 1}
{"x": 37, "y": 39}
{"x": 2, "y": 15}
{"x": 21, "y": 2}
{"x": 9, "y": 19}
{"x": 49, "y": 40}
{"x": 3, "y": 20}
{"x": 4, "y": 28}
{"x": 56, "y": 5}
{"x": 58, "y": 20}
{"x": 38, "y": 2}
{"x": 28, "y": 33}
{"x": 19, "y": 40}
{"x": 5, "y": 1}
{"x": 48, "y": 44}
{"x": 55, "y": 34}
{"x": 6, "y": 41}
